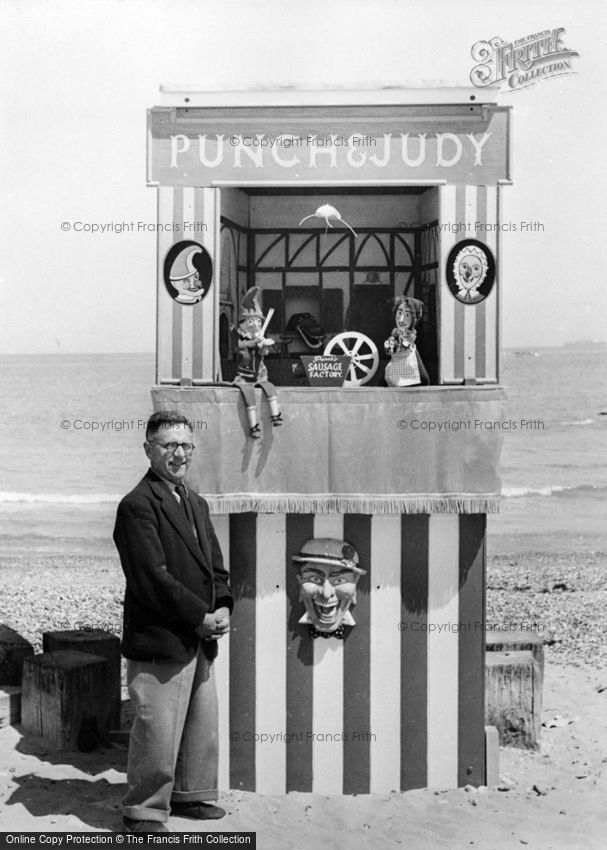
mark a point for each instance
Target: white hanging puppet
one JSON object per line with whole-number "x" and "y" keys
{"x": 405, "y": 368}
{"x": 329, "y": 214}
{"x": 251, "y": 371}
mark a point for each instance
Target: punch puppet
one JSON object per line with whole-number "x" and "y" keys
{"x": 251, "y": 371}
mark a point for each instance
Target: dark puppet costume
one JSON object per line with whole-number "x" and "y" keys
{"x": 251, "y": 371}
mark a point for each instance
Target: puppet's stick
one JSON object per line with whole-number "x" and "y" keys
{"x": 267, "y": 322}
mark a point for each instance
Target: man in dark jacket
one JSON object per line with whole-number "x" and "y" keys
{"x": 177, "y": 605}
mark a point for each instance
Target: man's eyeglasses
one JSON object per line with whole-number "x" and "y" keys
{"x": 171, "y": 448}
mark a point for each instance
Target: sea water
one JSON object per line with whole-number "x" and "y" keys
{"x": 72, "y": 430}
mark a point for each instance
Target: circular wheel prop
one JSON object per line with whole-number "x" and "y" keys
{"x": 363, "y": 352}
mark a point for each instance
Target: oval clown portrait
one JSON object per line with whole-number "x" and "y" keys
{"x": 470, "y": 271}
{"x": 188, "y": 271}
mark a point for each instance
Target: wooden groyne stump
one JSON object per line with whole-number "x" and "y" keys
{"x": 513, "y": 641}
{"x": 511, "y": 705}
{"x": 10, "y": 705}
{"x": 67, "y": 700}
{"x": 95, "y": 642}
{"x": 510, "y": 700}
{"x": 14, "y": 649}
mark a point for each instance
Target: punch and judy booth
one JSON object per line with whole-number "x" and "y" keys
{"x": 344, "y": 229}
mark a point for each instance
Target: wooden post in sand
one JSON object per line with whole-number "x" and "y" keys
{"x": 14, "y": 649}
{"x": 95, "y": 642}
{"x": 510, "y": 692}
{"x": 516, "y": 640}
{"x": 10, "y": 705}
{"x": 67, "y": 699}
{"x": 502, "y": 696}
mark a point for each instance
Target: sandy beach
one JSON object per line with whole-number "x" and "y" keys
{"x": 553, "y": 798}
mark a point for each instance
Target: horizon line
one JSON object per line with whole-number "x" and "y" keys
{"x": 524, "y": 346}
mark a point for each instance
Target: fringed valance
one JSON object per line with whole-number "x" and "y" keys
{"x": 365, "y": 450}
{"x": 352, "y": 503}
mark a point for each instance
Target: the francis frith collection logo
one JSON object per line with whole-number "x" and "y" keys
{"x": 521, "y": 63}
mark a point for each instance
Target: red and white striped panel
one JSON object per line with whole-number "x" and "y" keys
{"x": 397, "y": 704}
{"x": 468, "y": 332}
{"x": 185, "y": 334}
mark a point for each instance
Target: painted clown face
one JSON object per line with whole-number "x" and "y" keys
{"x": 470, "y": 270}
{"x": 327, "y": 592}
{"x": 188, "y": 283}
{"x": 188, "y": 286}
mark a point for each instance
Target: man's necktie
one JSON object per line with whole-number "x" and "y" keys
{"x": 185, "y": 504}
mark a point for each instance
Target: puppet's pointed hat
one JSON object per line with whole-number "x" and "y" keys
{"x": 249, "y": 306}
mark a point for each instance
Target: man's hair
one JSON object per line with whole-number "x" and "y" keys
{"x": 165, "y": 419}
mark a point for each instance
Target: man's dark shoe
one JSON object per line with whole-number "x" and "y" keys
{"x": 144, "y": 825}
{"x": 197, "y": 811}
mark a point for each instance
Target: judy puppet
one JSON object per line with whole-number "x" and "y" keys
{"x": 405, "y": 368}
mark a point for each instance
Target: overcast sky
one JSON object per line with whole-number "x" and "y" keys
{"x": 77, "y": 77}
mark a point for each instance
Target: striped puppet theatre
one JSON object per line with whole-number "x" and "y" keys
{"x": 400, "y": 480}
{"x": 398, "y": 702}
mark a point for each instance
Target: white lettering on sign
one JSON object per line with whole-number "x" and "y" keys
{"x": 315, "y": 150}
{"x": 385, "y": 159}
{"x": 421, "y": 156}
{"x": 441, "y": 159}
{"x": 443, "y": 150}
{"x": 283, "y": 142}
{"x": 326, "y": 369}
{"x": 202, "y": 152}
{"x": 179, "y": 144}
{"x": 478, "y": 146}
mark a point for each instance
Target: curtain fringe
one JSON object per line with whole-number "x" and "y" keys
{"x": 295, "y": 503}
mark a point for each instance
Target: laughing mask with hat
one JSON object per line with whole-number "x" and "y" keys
{"x": 328, "y": 575}
{"x": 251, "y": 371}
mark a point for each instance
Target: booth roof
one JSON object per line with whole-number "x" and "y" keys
{"x": 192, "y": 95}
